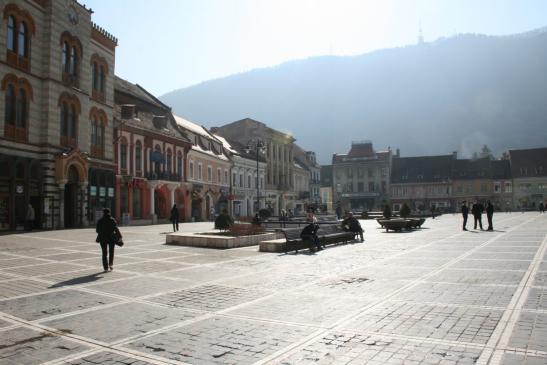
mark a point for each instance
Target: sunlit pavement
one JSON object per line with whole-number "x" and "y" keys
{"x": 436, "y": 295}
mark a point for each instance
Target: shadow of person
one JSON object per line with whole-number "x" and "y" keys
{"x": 79, "y": 280}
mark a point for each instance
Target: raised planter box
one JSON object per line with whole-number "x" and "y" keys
{"x": 216, "y": 241}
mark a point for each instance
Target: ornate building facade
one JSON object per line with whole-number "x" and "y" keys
{"x": 58, "y": 99}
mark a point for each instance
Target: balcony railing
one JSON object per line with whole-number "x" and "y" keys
{"x": 163, "y": 176}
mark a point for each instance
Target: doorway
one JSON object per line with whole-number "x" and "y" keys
{"x": 71, "y": 198}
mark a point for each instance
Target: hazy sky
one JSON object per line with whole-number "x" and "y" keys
{"x": 170, "y": 44}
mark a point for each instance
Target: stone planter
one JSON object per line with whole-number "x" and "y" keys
{"x": 215, "y": 241}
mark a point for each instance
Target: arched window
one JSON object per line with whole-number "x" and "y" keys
{"x": 157, "y": 164}
{"x": 21, "y": 111}
{"x": 22, "y": 40}
{"x": 95, "y": 76}
{"x": 73, "y": 62}
{"x": 123, "y": 154}
{"x": 100, "y": 136}
{"x": 65, "y": 57}
{"x": 10, "y": 34}
{"x": 169, "y": 161}
{"x": 101, "y": 79}
{"x": 93, "y": 133}
{"x": 9, "y": 109}
{"x": 179, "y": 163}
{"x": 138, "y": 156}
{"x": 72, "y": 122}
{"x": 64, "y": 120}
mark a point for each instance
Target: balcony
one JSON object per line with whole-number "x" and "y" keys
{"x": 166, "y": 176}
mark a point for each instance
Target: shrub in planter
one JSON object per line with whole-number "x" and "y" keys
{"x": 223, "y": 221}
{"x": 405, "y": 210}
{"x": 245, "y": 230}
{"x": 264, "y": 213}
{"x": 387, "y": 211}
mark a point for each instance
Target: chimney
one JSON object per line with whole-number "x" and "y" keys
{"x": 455, "y": 155}
{"x": 398, "y": 153}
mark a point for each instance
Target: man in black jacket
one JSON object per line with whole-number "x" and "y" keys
{"x": 476, "y": 210}
{"x": 465, "y": 213}
{"x": 351, "y": 224}
{"x": 309, "y": 234}
{"x": 489, "y": 214}
{"x": 107, "y": 235}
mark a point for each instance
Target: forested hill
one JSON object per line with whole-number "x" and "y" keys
{"x": 454, "y": 94}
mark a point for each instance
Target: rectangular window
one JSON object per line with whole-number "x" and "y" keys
{"x": 234, "y": 179}
{"x": 360, "y": 187}
{"x": 226, "y": 177}
{"x": 371, "y": 186}
{"x": 123, "y": 156}
{"x": 241, "y": 180}
{"x": 219, "y": 176}
{"x": 350, "y": 172}
{"x": 508, "y": 187}
{"x": 370, "y": 173}
{"x": 191, "y": 172}
{"x": 209, "y": 173}
{"x": 497, "y": 187}
{"x": 200, "y": 174}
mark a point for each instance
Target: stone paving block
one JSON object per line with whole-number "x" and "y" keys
{"x": 148, "y": 267}
{"x": 208, "y": 297}
{"x": 475, "y": 276}
{"x": 543, "y": 266}
{"x": 107, "y": 358}
{"x": 509, "y": 249}
{"x": 97, "y": 261}
{"x": 305, "y": 308}
{"x": 113, "y": 324}
{"x": 528, "y": 256}
{"x": 269, "y": 281}
{"x": 389, "y": 273}
{"x": 5, "y": 323}
{"x": 81, "y": 277}
{"x": 491, "y": 264}
{"x": 203, "y": 274}
{"x": 45, "y": 305}
{"x": 520, "y": 359}
{"x": 200, "y": 259}
{"x": 20, "y": 261}
{"x": 140, "y": 286}
{"x": 160, "y": 255}
{"x": 418, "y": 262}
{"x": 352, "y": 348}
{"x": 540, "y": 279}
{"x": 72, "y": 256}
{"x": 19, "y": 287}
{"x": 354, "y": 285}
{"x": 537, "y": 299}
{"x": 6, "y": 276}
{"x": 24, "y": 346}
{"x": 530, "y": 332}
{"x": 450, "y": 323}
{"x": 221, "y": 341}
{"x": 44, "y": 269}
{"x": 462, "y": 294}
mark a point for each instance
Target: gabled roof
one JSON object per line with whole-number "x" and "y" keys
{"x": 501, "y": 169}
{"x": 528, "y": 163}
{"x": 466, "y": 169}
{"x": 192, "y": 127}
{"x": 238, "y": 149}
{"x": 360, "y": 151}
{"x": 422, "y": 169}
{"x": 137, "y": 91}
{"x": 249, "y": 123}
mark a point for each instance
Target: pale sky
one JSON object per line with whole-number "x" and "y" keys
{"x": 170, "y": 44}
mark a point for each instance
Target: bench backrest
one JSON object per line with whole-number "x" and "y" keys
{"x": 328, "y": 229}
{"x": 292, "y": 234}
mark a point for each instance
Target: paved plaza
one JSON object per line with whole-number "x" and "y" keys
{"x": 433, "y": 296}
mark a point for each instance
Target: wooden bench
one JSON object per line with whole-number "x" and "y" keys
{"x": 327, "y": 234}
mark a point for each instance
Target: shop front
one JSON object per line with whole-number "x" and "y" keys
{"x": 20, "y": 186}
{"x": 101, "y": 193}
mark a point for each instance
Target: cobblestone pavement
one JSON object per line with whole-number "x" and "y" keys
{"x": 433, "y": 296}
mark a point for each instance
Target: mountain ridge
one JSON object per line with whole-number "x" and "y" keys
{"x": 453, "y": 94}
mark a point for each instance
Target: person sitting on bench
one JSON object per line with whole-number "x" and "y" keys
{"x": 351, "y": 224}
{"x": 309, "y": 234}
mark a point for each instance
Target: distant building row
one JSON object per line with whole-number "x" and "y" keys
{"x": 365, "y": 179}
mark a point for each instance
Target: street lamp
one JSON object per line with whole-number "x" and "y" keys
{"x": 257, "y": 146}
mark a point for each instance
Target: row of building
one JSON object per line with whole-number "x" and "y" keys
{"x": 75, "y": 138}
{"x": 367, "y": 180}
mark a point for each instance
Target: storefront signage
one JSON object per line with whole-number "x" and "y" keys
{"x": 93, "y": 191}
{"x": 19, "y": 189}
{"x": 102, "y": 191}
{"x": 110, "y": 192}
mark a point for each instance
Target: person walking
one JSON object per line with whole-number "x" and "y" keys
{"x": 477, "y": 214}
{"x": 107, "y": 235}
{"x": 29, "y": 218}
{"x": 465, "y": 213}
{"x": 489, "y": 215}
{"x": 351, "y": 224}
{"x": 541, "y": 207}
{"x": 175, "y": 218}
{"x": 309, "y": 233}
